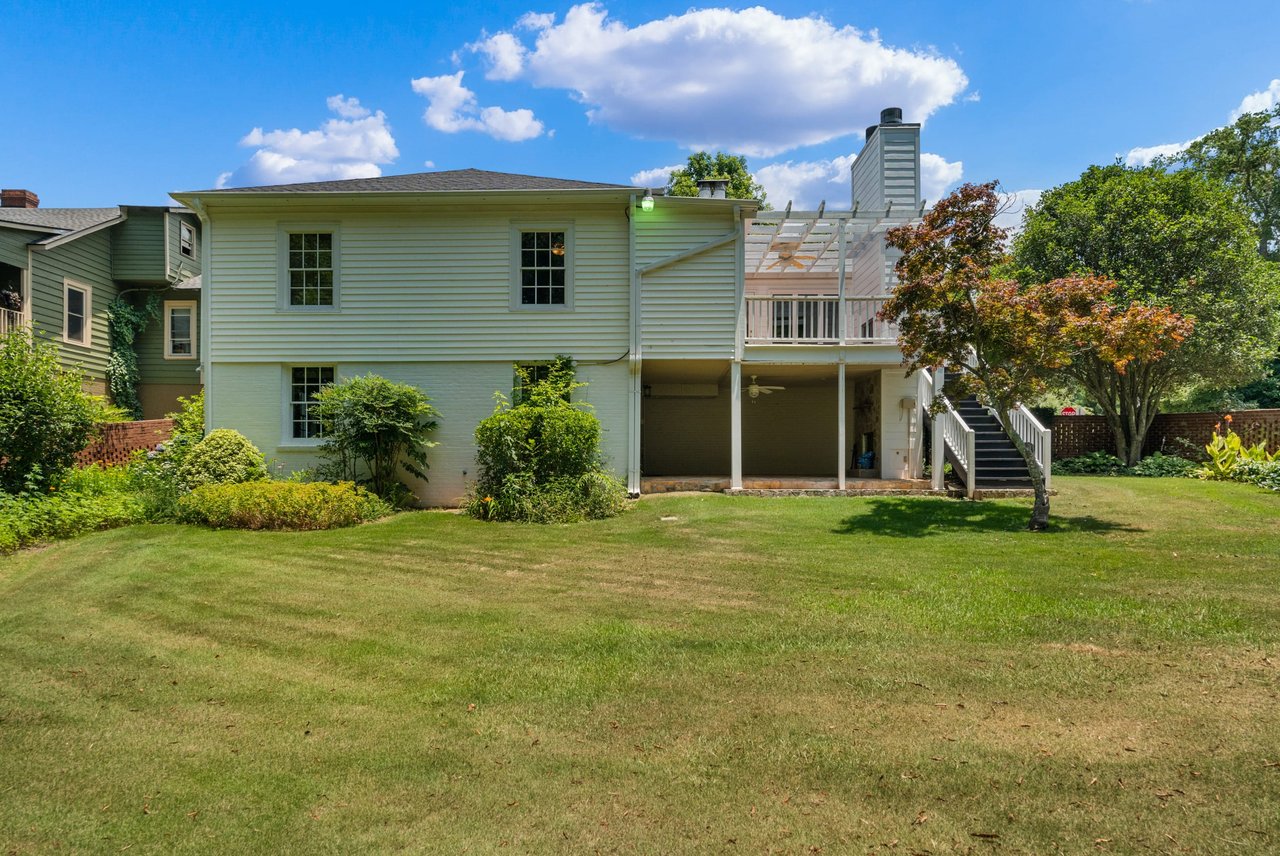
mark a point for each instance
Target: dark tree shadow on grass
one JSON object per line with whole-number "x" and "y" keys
{"x": 905, "y": 517}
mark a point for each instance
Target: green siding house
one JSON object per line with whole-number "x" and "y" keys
{"x": 723, "y": 346}
{"x": 60, "y": 268}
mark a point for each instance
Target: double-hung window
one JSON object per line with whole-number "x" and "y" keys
{"x": 77, "y": 313}
{"x": 187, "y": 240}
{"x": 179, "y": 329}
{"x": 304, "y": 383}
{"x": 542, "y": 264}
{"x": 309, "y": 266}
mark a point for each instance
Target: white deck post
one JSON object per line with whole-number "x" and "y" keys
{"x": 735, "y": 426}
{"x": 840, "y": 429}
{"x": 937, "y": 458}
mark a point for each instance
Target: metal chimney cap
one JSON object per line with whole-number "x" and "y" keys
{"x": 891, "y": 116}
{"x": 871, "y": 129}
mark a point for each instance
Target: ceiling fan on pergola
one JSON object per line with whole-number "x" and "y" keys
{"x": 788, "y": 257}
{"x": 754, "y": 390}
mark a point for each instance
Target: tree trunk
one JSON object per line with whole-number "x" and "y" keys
{"x": 1040, "y": 508}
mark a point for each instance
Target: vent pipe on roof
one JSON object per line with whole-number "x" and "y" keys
{"x": 891, "y": 116}
{"x": 18, "y": 199}
{"x": 713, "y": 188}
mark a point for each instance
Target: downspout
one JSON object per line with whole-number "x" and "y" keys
{"x": 206, "y": 299}
{"x": 635, "y": 363}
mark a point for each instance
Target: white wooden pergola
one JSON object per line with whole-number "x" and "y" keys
{"x": 791, "y": 242}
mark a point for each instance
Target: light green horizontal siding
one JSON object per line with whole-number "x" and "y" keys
{"x": 180, "y": 266}
{"x": 86, "y": 260}
{"x": 152, "y": 365}
{"x": 687, "y": 309}
{"x": 249, "y": 398}
{"x": 426, "y": 284}
{"x": 137, "y": 247}
{"x": 13, "y": 246}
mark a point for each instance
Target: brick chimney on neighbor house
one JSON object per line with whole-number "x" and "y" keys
{"x": 886, "y": 173}
{"x": 713, "y": 188}
{"x": 18, "y": 199}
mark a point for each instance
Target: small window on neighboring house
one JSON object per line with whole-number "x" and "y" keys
{"x": 187, "y": 240}
{"x": 77, "y": 311}
{"x": 543, "y": 268}
{"x": 179, "y": 329}
{"x": 310, "y": 269}
{"x": 304, "y": 383}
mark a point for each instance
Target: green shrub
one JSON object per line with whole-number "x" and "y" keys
{"x": 45, "y": 416}
{"x": 1157, "y": 465}
{"x": 155, "y": 472}
{"x": 87, "y": 500}
{"x": 1264, "y": 474}
{"x": 1228, "y": 451}
{"x": 1094, "y": 463}
{"x": 539, "y": 460}
{"x": 370, "y": 427}
{"x": 280, "y": 505}
{"x": 224, "y": 457}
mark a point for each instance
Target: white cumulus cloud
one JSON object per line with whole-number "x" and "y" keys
{"x": 937, "y": 176}
{"x": 452, "y": 107}
{"x": 505, "y": 54}
{"x": 750, "y": 81}
{"x": 1256, "y": 102}
{"x": 1145, "y": 155}
{"x": 354, "y": 145}
{"x": 658, "y": 176}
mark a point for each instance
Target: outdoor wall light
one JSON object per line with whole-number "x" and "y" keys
{"x": 646, "y": 204}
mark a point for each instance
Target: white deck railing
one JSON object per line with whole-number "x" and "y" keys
{"x": 800, "y": 319}
{"x": 1035, "y": 435}
{"x": 10, "y": 319}
{"x": 951, "y": 432}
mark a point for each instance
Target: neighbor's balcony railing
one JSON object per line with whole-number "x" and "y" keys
{"x": 11, "y": 319}
{"x": 795, "y": 319}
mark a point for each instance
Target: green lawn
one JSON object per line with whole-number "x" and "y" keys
{"x": 779, "y": 675}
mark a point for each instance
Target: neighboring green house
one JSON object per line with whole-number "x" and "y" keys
{"x": 60, "y": 268}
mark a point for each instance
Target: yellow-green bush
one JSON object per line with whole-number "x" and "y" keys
{"x": 280, "y": 505}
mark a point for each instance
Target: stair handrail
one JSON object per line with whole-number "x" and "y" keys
{"x": 1035, "y": 435}
{"x": 950, "y": 429}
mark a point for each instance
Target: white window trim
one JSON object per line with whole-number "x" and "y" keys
{"x": 283, "y": 231}
{"x": 195, "y": 240}
{"x": 566, "y": 226}
{"x": 194, "y": 308}
{"x": 68, "y": 285}
{"x": 287, "y": 440}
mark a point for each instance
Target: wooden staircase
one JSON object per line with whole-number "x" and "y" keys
{"x": 997, "y": 465}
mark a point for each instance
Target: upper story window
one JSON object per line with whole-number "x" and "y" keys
{"x": 542, "y": 267}
{"x": 187, "y": 240}
{"x": 304, "y": 383}
{"x": 310, "y": 269}
{"x": 77, "y": 310}
{"x": 179, "y": 329}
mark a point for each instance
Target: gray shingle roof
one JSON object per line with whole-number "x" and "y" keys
{"x": 446, "y": 180}
{"x": 58, "y": 219}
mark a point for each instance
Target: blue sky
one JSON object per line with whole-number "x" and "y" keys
{"x": 121, "y": 103}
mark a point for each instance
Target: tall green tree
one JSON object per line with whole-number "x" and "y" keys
{"x": 999, "y": 340}
{"x": 701, "y": 165}
{"x": 1180, "y": 240}
{"x": 1246, "y": 157}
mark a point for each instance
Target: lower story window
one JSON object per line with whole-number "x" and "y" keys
{"x": 304, "y": 383}
{"x": 180, "y": 329}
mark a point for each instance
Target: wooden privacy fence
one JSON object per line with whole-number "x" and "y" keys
{"x": 119, "y": 440}
{"x": 1184, "y": 434}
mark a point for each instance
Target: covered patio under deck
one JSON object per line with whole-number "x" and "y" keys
{"x": 808, "y": 428}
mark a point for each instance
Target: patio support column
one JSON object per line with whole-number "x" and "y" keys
{"x": 840, "y": 428}
{"x": 937, "y": 457}
{"x": 735, "y": 425}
